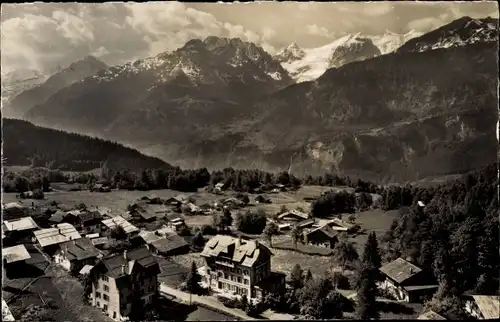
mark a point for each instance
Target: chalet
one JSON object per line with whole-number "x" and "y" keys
{"x": 89, "y": 222}
{"x": 14, "y": 258}
{"x": 306, "y": 223}
{"x": 18, "y": 231}
{"x": 483, "y": 307}
{"x": 293, "y": 215}
{"x": 164, "y": 242}
{"x": 109, "y": 224}
{"x": 407, "y": 282}
{"x": 58, "y": 217}
{"x": 118, "y": 280}
{"x": 431, "y": 315}
{"x": 6, "y": 313}
{"x": 231, "y": 203}
{"x": 191, "y": 208}
{"x": 50, "y": 238}
{"x": 176, "y": 201}
{"x": 241, "y": 267}
{"x": 100, "y": 187}
{"x": 262, "y": 199}
{"x": 26, "y": 195}
{"x": 13, "y": 210}
{"x": 73, "y": 255}
{"x": 284, "y": 226}
{"x": 218, "y": 187}
{"x": 323, "y": 236}
{"x": 152, "y": 199}
{"x": 140, "y": 214}
{"x": 340, "y": 225}
{"x": 175, "y": 221}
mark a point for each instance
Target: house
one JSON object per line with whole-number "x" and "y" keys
{"x": 262, "y": 199}
{"x": 431, "y": 315}
{"x": 192, "y": 208}
{"x": 306, "y": 223}
{"x": 58, "y": 217}
{"x": 142, "y": 214}
{"x": 119, "y": 279}
{"x": 73, "y": 255}
{"x": 99, "y": 187}
{"x": 109, "y": 224}
{"x": 152, "y": 199}
{"x": 231, "y": 203}
{"x": 340, "y": 225}
{"x": 293, "y": 215}
{"x": 218, "y": 187}
{"x": 86, "y": 270}
{"x": 6, "y": 313}
{"x": 50, "y": 238}
{"x": 176, "y": 201}
{"x": 407, "y": 282}
{"x": 18, "y": 231}
{"x": 164, "y": 242}
{"x": 323, "y": 236}
{"x": 13, "y": 210}
{"x": 15, "y": 255}
{"x": 175, "y": 221}
{"x": 483, "y": 307}
{"x": 89, "y": 222}
{"x": 241, "y": 267}
{"x": 285, "y": 226}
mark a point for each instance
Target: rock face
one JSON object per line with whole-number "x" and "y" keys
{"x": 223, "y": 102}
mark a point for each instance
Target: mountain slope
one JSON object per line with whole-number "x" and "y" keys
{"x": 16, "y": 82}
{"x": 24, "y": 101}
{"x": 430, "y": 113}
{"x": 309, "y": 64}
{"x": 27, "y": 144}
{"x": 211, "y": 71}
{"x": 460, "y": 32}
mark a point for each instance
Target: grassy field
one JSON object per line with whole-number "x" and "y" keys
{"x": 302, "y": 248}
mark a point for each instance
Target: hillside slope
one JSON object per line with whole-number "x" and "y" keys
{"x": 27, "y": 144}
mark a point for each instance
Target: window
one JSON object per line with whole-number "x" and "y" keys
{"x": 105, "y": 297}
{"x": 97, "y": 295}
{"x": 106, "y": 288}
{"x": 220, "y": 285}
{"x": 98, "y": 304}
{"x": 245, "y": 272}
{"x": 114, "y": 315}
{"x": 245, "y": 281}
{"x": 105, "y": 278}
{"x": 239, "y": 271}
{"x": 105, "y": 307}
{"x": 239, "y": 279}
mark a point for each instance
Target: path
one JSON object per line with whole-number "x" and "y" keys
{"x": 204, "y": 300}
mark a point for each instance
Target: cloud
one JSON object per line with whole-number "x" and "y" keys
{"x": 41, "y": 36}
{"x": 316, "y": 30}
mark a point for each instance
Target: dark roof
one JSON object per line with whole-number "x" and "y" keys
{"x": 169, "y": 243}
{"x": 173, "y": 216}
{"x": 306, "y": 222}
{"x": 141, "y": 256}
{"x": 400, "y": 270}
{"x": 58, "y": 216}
{"x": 325, "y": 230}
{"x": 90, "y": 215}
{"x": 79, "y": 249}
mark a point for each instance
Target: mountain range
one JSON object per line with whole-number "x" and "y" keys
{"x": 376, "y": 110}
{"x": 309, "y": 64}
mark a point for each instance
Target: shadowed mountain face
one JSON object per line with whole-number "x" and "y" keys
{"x": 223, "y": 102}
{"x": 24, "y": 101}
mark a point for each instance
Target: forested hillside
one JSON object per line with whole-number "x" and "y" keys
{"x": 30, "y": 145}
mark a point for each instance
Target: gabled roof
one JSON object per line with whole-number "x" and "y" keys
{"x": 11, "y": 205}
{"x": 306, "y": 222}
{"x": 219, "y": 185}
{"x": 79, "y": 249}
{"x": 15, "y": 254}
{"x": 139, "y": 256}
{"x": 431, "y": 315}
{"x": 244, "y": 252}
{"x": 325, "y": 230}
{"x": 90, "y": 215}
{"x": 169, "y": 243}
{"x": 6, "y": 313}
{"x": 24, "y": 223}
{"x": 59, "y": 234}
{"x": 120, "y": 221}
{"x": 192, "y": 207}
{"x": 489, "y": 305}
{"x": 340, "y": 223}
{"x": 179, "y": 198}
{"x": 86, "y": 270}
{"x": 400, "y": 270}
{"x": 58, "y": 216}
{"x": 294, "y": 213}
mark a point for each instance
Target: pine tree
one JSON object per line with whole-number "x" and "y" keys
{"x": 270, "y": 230}
{"x": 192, "y": 281}
{"x": 367, "y": 293}
{"x": 296, "y": 276}
{"x": 371, "y": 254}
{"x": 309, "y": 276}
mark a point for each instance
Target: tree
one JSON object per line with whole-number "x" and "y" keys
{"x": 222, "y": 222}
{"x": 283, "y": 209}
{"x": 296, "y": 235}
{"x": 270, "y": 230}
{"x": 308, "y": 276}
{"x": 367, "y": 294}
{"x": 352, "y": 218}
{"x": 371, "y": 254}
{"x": 118, "y": 233}
{"x": 251, "y": 222}
{"x": 344, "y": 252}
{"x": 198, "y": 241}
{"x": 193, "y": 279}
{"x": 35, "y": 313}
{"x": 296, "y": 276}
{"x": 38, "y": 194}
{"x": 319, "y": 300}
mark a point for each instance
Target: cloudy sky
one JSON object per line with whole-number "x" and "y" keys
{"x": 43, "y": 36}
